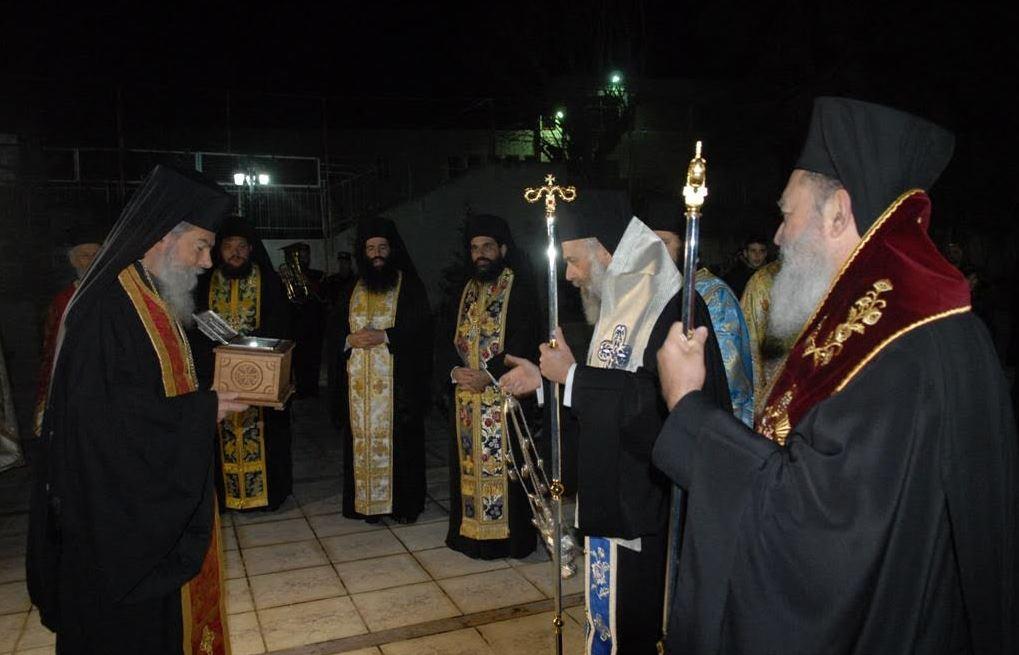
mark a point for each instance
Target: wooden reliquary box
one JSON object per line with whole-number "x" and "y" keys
{"x": 258, "y": 369}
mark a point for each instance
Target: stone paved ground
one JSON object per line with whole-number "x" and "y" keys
{"x": 304, "y": 580}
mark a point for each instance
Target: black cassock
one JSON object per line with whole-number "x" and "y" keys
{"x": 410, "y": 342}
{"x": 888, "y": 524}
{"x": 522, "y": 336}
{"x": 620, "y": 494}
{"x": 131, "y": 470}
{"x": 309, "y": 331}
{"x": 275, "y": 321}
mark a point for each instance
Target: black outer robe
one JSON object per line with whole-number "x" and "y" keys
{"x": 887, "y": 525}
{"x": 620, "y": 493}
{"x": 133, "y": 472}
{"x": 522, "y": 336}
{"x": 309, "y": 331}
{"x": 274, "y": 322}
{"x": 410, "y": 342}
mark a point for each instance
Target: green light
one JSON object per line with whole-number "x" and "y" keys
{"x": 560, "y": 114}
{"x": 616, "y": 78}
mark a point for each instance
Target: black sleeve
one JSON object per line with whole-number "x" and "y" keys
{"x": 201, "y": 345}
{"x": 276, "y": 312}
{"x": 618, "y": 418}
{"x": 446, "y": 356}
{"x": 410, "y": 340}
{"x": 522, "y": 329}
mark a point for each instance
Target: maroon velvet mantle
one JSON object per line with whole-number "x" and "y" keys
{"x": 895, "y": 281}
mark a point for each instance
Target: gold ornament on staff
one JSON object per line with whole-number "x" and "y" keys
{"x": 551, "y": 192}
{"x": 694, "y": 193}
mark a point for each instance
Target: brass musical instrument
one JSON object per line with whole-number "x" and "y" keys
{"x": 295, "y": 280}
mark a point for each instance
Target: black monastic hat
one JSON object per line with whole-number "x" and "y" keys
{"x": 377, "y": 226}
{"x": 876, "y": 152}
{"x": 663, "y": 213}
{"x": 167, "y": 197}
{"x": 236, "y": 226}
{"x": 596, "y": 213}
{"x": 85, "y": 232}
{"x": 487, "y": 225}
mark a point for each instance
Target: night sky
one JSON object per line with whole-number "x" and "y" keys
{"x": 953, "y": 62}
{"x": 419, "y": 48}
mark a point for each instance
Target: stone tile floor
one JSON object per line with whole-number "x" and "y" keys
{"x": 304, "y": 580}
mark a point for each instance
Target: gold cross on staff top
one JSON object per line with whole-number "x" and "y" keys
{"x": 550, "y": 191}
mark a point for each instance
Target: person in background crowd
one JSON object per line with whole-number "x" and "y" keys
{"x": 85, "y": 238}
{"x": 752, "y": 256}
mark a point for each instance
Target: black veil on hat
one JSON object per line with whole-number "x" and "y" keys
{"x": 167, "y": 197}
{"x": 377, "y": 226}
{"x": 876, "y": 152}
{"x": 597, "y": 213}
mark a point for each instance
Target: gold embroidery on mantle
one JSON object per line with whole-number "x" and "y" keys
{"x": 371, "y": 398}
{"x": 208, "y": 640}
{"x": 775, "y": 418}
{"x": 865, "y": 311}
{"x": 481, "y": 425}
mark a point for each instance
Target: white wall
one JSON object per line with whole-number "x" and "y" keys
{"x": 430, "y": 225}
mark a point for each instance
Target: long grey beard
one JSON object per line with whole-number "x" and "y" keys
{"x": 590, "y": 294}
{"x": 799, "y": 285}
{"x": 176, "y": 285}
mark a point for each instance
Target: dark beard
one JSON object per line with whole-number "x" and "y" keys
{"x": 490, "y": 272}
{"x": 237, "y": 272}
{"x": 380, "y": 279}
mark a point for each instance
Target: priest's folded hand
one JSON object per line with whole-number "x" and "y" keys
{"x": 366, "y": 338}
{"x": 556, "y": 362}
{"x": 523, "y": 379}
{"x": 681, "y": 363}
{"x": 471, "y": 379}
{"x": 228, "y": 404}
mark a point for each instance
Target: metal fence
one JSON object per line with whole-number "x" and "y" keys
{"x": 292, "y": 205}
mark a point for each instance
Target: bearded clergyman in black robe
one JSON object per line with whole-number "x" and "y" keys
{"x": 387, "y": 357}
{"x": 873, "y": 509}
{"x": 124, "y": 543}
{"x": 498, "y": 314}
{"x": 254, "y": 469}
{"x": 631, "y": 291}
